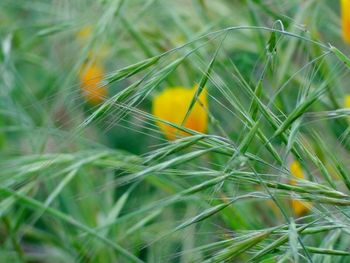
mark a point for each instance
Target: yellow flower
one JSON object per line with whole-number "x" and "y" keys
{"x": 84, "y": 33}
{"x": 91, "y": 77}
{"x": 345, "y": 19}
{"x": 299, "y": 207}
{"x": 347, "y": 101}
{"x": 172, "y": 104}
{"x": 295, "y": 169}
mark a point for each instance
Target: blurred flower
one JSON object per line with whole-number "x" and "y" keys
{"x": 83, "y": 36}
{"x": 347, "y": 101}
{"x": 172, "y": 104}
{"x": 299, "y": 207}
{"x": 345, "y": 19}
{"x": 332, "y": 170}
{"x": 91, "y": 77}
{"x": 91, "y": 73}
{"x": 275, "y": 209}
{"x": 84, "y": 33}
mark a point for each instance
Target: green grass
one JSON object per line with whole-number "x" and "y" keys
{"x": 100, "y": 183}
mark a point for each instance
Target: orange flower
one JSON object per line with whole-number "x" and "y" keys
{"x": 345, "y": 19}
{"x": 91, "y": 77}
{"x": 172, "y": 104}
{"x": 299, "y": 207}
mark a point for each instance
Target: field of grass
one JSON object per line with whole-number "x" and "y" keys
{"x": 174, "y": 131}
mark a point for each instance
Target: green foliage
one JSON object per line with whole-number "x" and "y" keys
{"x": 100, "y": 183}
